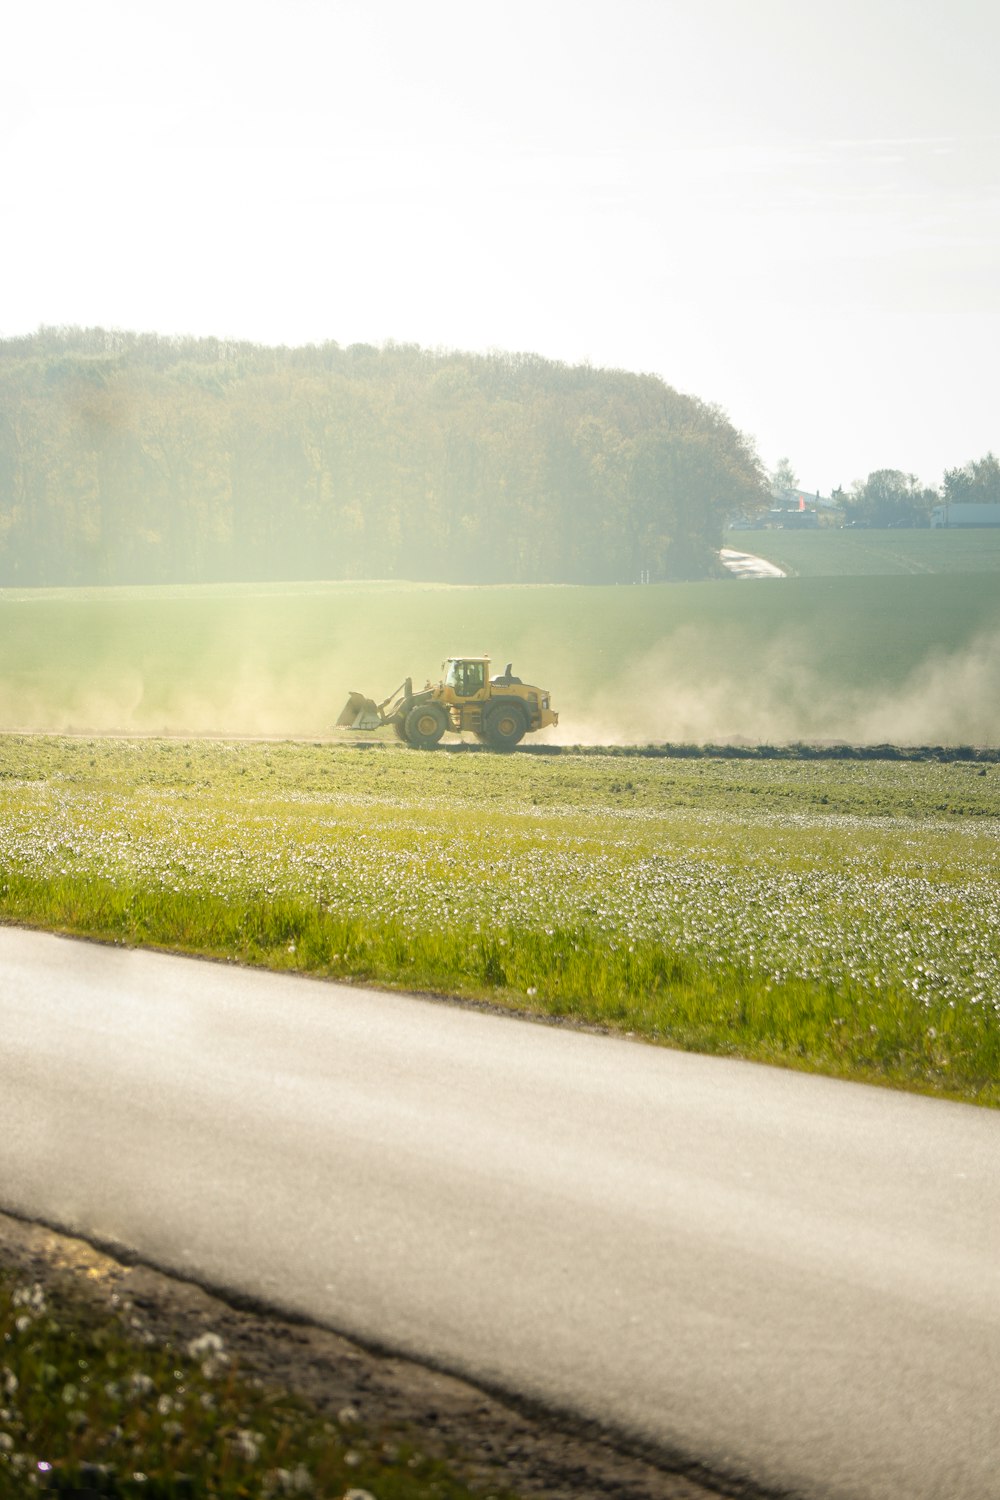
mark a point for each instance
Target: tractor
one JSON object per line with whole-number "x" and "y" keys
{"x": 499, "y": 711}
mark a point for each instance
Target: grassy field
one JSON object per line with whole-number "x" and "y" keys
{"x": 839, "y": 917}
{"x": 906, "y": 659}
{"x": 857, "y": 552}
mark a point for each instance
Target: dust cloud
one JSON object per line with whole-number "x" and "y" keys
{"x": 252, "y": 699}
{"x": 271, "y": 671}
{"x": 782, "y": 698}
{"x": 232, "y": 684}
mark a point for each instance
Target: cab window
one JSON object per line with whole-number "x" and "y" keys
{"x": 466, "y": 677}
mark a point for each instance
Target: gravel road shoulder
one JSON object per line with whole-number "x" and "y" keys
{"x": 485, "y": 1440}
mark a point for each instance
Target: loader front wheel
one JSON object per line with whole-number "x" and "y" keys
{"x": 425, "y": 724}
{"x": 399, "y": 730}
{"x": 505, "y": 727}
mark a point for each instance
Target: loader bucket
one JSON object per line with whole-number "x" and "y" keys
{"x": 360, "y": 712}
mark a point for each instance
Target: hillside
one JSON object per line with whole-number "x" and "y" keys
{"x": 128, "y": 458}
{"x": 833, "y": 553}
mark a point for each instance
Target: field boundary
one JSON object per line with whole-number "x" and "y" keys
{"x": 940, "y": 754}
{"x": 985, "y": 754}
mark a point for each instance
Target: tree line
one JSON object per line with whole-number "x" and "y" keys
{"x": 134, "y": 458}
{"x": 889, "y": 497}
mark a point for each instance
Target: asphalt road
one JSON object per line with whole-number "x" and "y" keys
{"x": 748, "y": 565}
{"x": 793, "y": 1280}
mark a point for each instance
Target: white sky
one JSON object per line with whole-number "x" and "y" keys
{"x": 787, "y": 207}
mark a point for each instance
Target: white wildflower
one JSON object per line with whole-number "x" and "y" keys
{"x": 297, "y": 1481}
{"x": 246, "y": 1445}
{"x": 208, "y": 1348}
{"x": 31, "y": 1297}
{"x": 205, "y": 1346}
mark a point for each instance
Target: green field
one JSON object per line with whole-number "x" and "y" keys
{"x": 903, "y": 659}
{"x": 840, "y": 917}
{"x": 832, "y": 553}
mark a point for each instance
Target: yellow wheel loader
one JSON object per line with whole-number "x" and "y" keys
{"x": 499, "y": 711}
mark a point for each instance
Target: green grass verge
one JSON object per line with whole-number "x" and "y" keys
{"x": 89, "y": 1406}
{"x": 846, "y": 1030}
{"x": 839, "y": 917}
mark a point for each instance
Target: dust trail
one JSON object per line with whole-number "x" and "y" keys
{"x": 252, "y": 699}
{"x": 275, "y": 667}
{"x": 243, "y": 676}
{"x": 949, "y": 699}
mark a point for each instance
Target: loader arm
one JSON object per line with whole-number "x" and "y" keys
{"x": 360, "y": 712}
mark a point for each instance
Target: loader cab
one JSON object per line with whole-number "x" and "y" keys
{"x": 467, "y": 676}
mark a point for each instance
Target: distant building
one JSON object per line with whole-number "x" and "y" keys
{"x": 798, "y": 510}
{"x": 799, "y": 499}
{"x": 792, "y": 510}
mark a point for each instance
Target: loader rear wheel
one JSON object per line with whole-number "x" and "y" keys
{"x": 425, "y": 724}
{"x": 505, "y": 727}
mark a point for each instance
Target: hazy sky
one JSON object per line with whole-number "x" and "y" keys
{"x": 787, "y": 207}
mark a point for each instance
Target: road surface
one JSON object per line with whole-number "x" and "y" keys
{"x": 793, "y": 1280}
{"x": 747, "y": 565}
